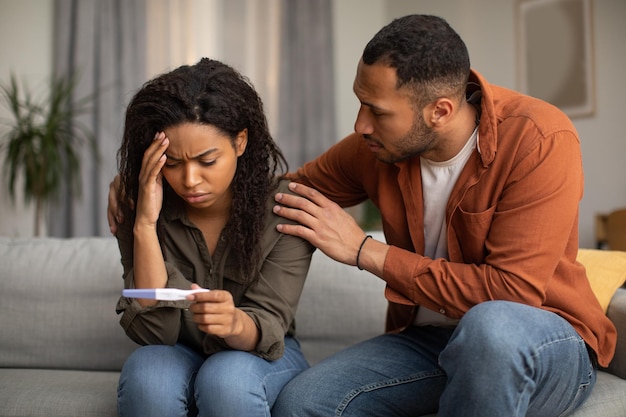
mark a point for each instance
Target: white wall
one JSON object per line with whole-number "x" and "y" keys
{"x": 26, "y": 50}
{"x": 355, "y": 22}
{"x": 603, "y": 136}
{"x": 488, "y": 28}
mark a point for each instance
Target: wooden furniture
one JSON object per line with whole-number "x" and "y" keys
{"x": 611, "y": 230}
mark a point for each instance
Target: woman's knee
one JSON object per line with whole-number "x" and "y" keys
{"x": 157, "y": 378}
{"x": 230, "y": 383}
{"x": 144, "y": 365}
{"x": 157, "y": 369}
{"x": 240, "y": 383}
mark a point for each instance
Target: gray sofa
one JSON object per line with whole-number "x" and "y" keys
{"x": 61, "y": 346}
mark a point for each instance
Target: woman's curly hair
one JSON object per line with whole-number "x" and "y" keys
{"x": 209, "y": 93}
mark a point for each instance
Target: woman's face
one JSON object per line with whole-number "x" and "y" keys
{"x": 201, "y": 164}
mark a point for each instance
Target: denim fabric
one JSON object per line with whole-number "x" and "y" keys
{"x": 171, "y": 381}
{"x": 503, "y": 359}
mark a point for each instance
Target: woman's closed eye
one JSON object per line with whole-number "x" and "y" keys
{"x": 173, "y": 163}
{"x": 208, "y": 163}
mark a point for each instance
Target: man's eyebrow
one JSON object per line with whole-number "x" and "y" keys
{"x": 373, "y": 106}
{"x": 201, "y": 155}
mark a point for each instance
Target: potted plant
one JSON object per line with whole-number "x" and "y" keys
{"x": 41, "y": 141}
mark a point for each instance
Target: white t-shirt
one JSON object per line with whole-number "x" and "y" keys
{"x": 438, "y": 179}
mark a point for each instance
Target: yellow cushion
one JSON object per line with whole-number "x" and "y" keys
{"x": 606, "y": 271}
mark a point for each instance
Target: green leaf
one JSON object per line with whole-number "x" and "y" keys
{"x": 41, "y": 139}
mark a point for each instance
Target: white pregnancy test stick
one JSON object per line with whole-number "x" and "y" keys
{"x": 166, "y": 294}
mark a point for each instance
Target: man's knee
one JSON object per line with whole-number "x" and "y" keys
{"x": 491, "y": 330}
{"x": 306, "y": 394}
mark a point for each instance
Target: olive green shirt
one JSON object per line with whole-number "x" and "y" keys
{"x": 270, "y": 298}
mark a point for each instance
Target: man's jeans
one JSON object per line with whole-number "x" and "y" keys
{"x": 175, "y": 381}
{"x": 503, "y": 359}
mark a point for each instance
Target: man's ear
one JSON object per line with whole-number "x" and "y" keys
{"x": 438, "y": 112}
{"x": 241, "y": 141}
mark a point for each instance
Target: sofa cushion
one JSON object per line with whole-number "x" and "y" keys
{"x": 606, "y": 271}
{"x": 340, "y": 306}
{"x": 608, "y": 398}
{"x": 617, "y": 314}
{"x": 58, "y": 304}
{"x": 45, "y": 393}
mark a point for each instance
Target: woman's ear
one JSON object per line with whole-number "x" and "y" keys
{"x": 241, "y": 141}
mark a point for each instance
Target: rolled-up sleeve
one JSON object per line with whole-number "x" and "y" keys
{"x": 158, "y": 324}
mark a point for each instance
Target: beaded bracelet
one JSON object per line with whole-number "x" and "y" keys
{"x": 358, "y": 254}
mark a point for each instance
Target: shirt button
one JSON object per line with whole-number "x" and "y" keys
{"x": 442, "y": 311}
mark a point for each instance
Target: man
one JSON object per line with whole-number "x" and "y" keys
{"x": 478, "y": 189}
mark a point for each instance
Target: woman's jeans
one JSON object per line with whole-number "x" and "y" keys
{"x": 171, "y": 381}
{"x": 503, "y": 359}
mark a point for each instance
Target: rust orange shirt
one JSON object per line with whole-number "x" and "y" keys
{"x": 512, "y": 218}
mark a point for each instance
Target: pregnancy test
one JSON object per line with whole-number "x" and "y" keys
{"x": 166, "y": 294}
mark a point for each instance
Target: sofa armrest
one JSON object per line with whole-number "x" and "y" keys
{"x": 617, "y": 314}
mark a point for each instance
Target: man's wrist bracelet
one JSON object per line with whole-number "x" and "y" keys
{"x": 358, "y": 254}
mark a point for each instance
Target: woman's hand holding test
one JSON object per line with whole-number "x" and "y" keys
{"x": 215, "y": 313}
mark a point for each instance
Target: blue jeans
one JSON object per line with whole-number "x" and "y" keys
{"x": 172, "y": 381}
{"x": 503, "y": 359}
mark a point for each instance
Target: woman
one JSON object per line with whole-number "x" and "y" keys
{"x": 199, "y": 162}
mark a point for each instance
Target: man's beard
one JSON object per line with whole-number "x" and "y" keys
{"x": 418, "y": 140}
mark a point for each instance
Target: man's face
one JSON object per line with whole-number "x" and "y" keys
{"x": 387, "y": 119}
